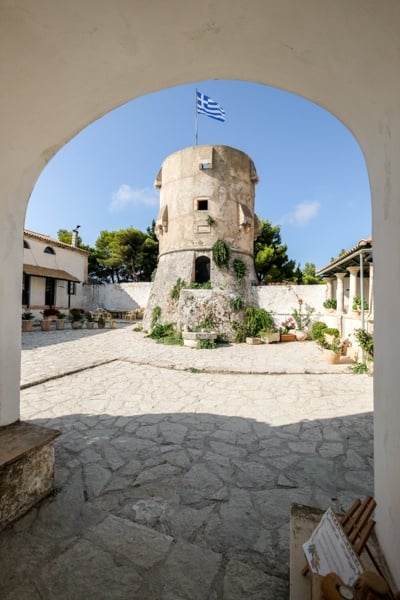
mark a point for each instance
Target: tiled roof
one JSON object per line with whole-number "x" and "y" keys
{"x": 346, "y": 259}
{"x": 51, "y": 241}
{"x": 45, "y": 272}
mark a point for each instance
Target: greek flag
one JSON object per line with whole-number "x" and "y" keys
{"x": 207, "y": 106}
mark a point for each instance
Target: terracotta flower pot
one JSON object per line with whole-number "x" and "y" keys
{"x": 45, "y": 324}
{"x": 60, "y": 324}
{"x": 288, "y": 337}
{"x": 332, "y": 357}
{"x": 301, "y": 335}
{"x": 27, "y": 325}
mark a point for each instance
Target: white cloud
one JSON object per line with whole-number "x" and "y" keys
{"x": 303, "y": 213}
{"x": 127, "y": 196}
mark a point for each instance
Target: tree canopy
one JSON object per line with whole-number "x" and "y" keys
{"x": 271, "y": 260}
{"x": 124, "y": 255}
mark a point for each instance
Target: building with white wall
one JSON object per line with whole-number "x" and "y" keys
{"x": 53, "y": 273}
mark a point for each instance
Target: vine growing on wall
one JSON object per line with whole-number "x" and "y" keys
{"x": 220, "y": 253}
{"x": 239, "y": 268}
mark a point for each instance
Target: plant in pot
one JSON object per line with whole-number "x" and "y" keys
{"x": 60, "y": 321}
{"x": 330, "y": 304}
{"x": 328, "y": 339}
{"x": 45, "y": 323}
{"x": 89, "y": 320}
{"x": 287, "y": 330}
{"x": 366, "y": 342}
{"x": 356, "y": 306}
{"x": 256, "y": 321}
{"x": 101, "y": 323}
{"x": 76, "y": 318}
{"x": 27, "y": 320}
{"x": 302, "y": 318}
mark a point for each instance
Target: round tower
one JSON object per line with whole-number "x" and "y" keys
{"x": 206, "y": 214}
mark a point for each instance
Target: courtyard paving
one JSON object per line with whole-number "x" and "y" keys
{"x": 176, "y": 468}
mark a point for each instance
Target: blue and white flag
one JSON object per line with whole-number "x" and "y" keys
{"x": 207, "y": 106}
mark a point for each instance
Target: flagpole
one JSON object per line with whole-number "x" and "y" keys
{"x": 196, "y": 119}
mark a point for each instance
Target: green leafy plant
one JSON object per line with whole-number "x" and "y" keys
{"x": 365, "y": 341}
{"x": 317, "y": 331}
{"x": 27, "y": 316}
{"x": 61, "y": 315}
{"x": 257, "y": 320}
{"x": 161, "y": 330}
{"x": 176, "y": 290}
{"x": 237, "y": 303}
{"x": 210, "y": 220}
{"x": 138, "y": 328}
{"x": 330, "y": 303}
{"x": 199, "y": 286}
{"x": 207, "y": 324}
{"x": 359, "y": 368}
{"x": 240, "y": 331}
{"x": 76, "y": 314}
{"x": 302, "y": 314}
{"x": 155, "y": 316}
{"x": 89, "y": 317}
{"x": 239, "y": 269}
{"x": 207, "y": 345}
{"x": 357, "y": 303}
{"x": 220, "y": 253}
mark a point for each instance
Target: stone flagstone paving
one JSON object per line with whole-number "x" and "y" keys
{"x": 176, "y": 484}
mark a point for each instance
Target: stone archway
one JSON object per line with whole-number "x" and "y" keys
{"x": 202, "y": 269}
{"x": 67, "y": 64}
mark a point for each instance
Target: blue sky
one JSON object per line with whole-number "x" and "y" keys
{"x": 313, "y": 178}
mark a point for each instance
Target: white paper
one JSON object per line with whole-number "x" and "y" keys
{"x": 329, "y": 551}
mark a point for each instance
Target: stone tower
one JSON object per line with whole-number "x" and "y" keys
{"x": 206, "y": 196}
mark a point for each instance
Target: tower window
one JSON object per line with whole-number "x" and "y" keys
{"x": 202, "y": 204}
{"x": 48, "y": 250}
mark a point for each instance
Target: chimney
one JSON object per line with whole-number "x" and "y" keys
{"x": 74, "y": 241}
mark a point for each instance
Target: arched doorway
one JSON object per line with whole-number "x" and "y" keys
{"x": 202, "y": 269}
{"x": 323, "y": 51}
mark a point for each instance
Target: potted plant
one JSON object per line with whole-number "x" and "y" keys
{"x": 89, "y": 320}
{"x": 302, "y": 317}
{"x": 50, "y": 313}
{"x": 287, "y": 330}
{"x": 356, "y": 306}
{"x": 76, "y": 318}
{"x": 366, "y": 342}
{"x": 101, "y": 323}
{"x": 45, "y": 323}
{"x": 60, "y": 321}
{"x": 330, "y": 304}
{"x": 328, "y": 339}
{"x": 27, "y": 321}
{"x": 257, "y": 320}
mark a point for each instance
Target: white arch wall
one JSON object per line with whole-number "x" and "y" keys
{"x": 64, "y": 64}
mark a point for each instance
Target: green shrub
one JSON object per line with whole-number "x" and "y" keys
{"x": 258, "y": 319}
{"x": 155, "y": 315}
{"x": 176, "y": 290}
{"x": 239, "y": 269}
{"x": 236, "y": 303}
{"x": 240, "y": 331}
{"x": 317, "y": 331}
{"x": 199, "y": 286}
{"x": 365, "y": 341}
{"x": 359, "y": 368}
{"x": 207, "y": 345}
{"x": 220, "y": 253}
{"x": 161, "y": 330}
{"x": 330, "y": 303}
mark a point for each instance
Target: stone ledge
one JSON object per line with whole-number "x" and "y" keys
{"x": 26, "y": 468}
{"x": 20, "y": 438}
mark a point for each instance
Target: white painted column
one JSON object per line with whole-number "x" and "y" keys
{"x": 340, "y": 293}
{"x": 329, "y": 289}
{"x": 353, "y": 285}
{"x": 11, "y": 252}
{"x": 371, "y": 292}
